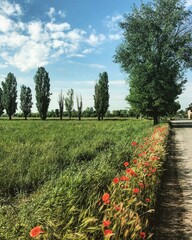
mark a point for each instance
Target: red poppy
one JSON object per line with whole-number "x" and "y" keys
{"x": 126, "y": 164}
{"x": 136, "y": 190}
{"x": 105, "y": 197}
{"x": 133, "y": 143}
{"x": 36, "y": 231}
{"x": 141, "y": 185}
{"x": 106, "y": 223}
{"x": 115, "y": 180}
{"x": 108, "y": 231}
{"x": 142, "y": 235}
{"x": 117, "y": 208}
{"x": 147, "y": 200}
{"x": 135, "y": 161}
{"x": 107, "y": 201}
{"x": 124, "y": 178}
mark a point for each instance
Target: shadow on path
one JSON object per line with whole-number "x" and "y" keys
{"x": 170, "y": 209}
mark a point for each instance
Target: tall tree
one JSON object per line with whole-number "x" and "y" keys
{"x": 42, "y": 88}
{"x": 155, "y": 52}
{"x": 9, "y": 87}
{"x": 69, "y": 102}
{"x": 61, "y": 104}
{"x": 101, "y": 97}
{"x": 1, "y": 102}
{"x": 79, "y": 106}
{"x": 26, "y": 100}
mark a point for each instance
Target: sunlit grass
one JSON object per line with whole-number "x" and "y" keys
{"x": 53, "y": 174}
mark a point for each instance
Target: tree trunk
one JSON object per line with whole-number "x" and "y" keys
{"x": 155, "y": 119}
{"x": 99, "y": 117}
{"x": 9, "y": 117}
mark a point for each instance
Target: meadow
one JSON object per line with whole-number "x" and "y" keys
{"x": 79, "y": 179}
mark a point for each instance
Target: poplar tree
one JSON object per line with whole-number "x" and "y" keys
{"x": 61, "y": 105}
{"x": 79, "y": 106}
{"x": 42, "y": 88}
{"x": 25, "y": 100}
{"x": 101, "y": 97}
{"x": 9, "y": 87}
{"x": 69, "y": 102}
{"x": 1, "y": 102}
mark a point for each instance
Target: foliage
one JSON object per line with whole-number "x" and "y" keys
{"x": 1, "y": 102}
{"x": 26, "y": 100}
{"x": 79, "y": 106}
{"x": 101, "y": 97}
{"x": 42, "y": 88}
{"x": 69, "y": 102}
{"x": 155, "y": 53}
{"x": 56, "y": 183}
{"x": 61, "y": 104}
{"x": 9, "y": 87}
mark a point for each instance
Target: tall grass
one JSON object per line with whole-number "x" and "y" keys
{"x": 53, "y": 174}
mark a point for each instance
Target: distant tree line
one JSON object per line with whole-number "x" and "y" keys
{"x": 8, "y": 98}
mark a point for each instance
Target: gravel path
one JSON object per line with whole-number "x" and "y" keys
{"x": 174, "y": 207}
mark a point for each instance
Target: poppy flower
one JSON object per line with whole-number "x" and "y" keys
{"x": 147, "y": 200}
{"x": 117, "y": 208}
{"x": 106, "y": 223}
{"x": 142, "y": 235}
{"x": 124, "y": 178}
{"x": 36, "y": 231}
{"x": 133, "y": 143}
{"x": 141, "y": 185}
{"x": 107, "y": 201}
{"x": 107, "y": 231}
{"x": 136, "y": 190}
{"x": 115, "y": 180}
{"x": 105, "y": 197}
{"x": 126, "y": 164}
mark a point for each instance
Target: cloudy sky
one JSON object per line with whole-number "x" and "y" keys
{"x": 74, "y": 40}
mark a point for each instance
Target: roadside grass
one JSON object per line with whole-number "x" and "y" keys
{"x": 54, "y": 173}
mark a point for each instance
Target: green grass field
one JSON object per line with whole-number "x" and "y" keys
{"x": 53, "y": 173}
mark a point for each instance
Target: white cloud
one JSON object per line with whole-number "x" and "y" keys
{"x": 87, "y": 50}
{"x": 95, "y": 40}
{"x": 116, "y": 36}
{"x": 61, "y": 14}
{"x": 188, "y": 3}
{"x": 9, "y": 9}
{"x": 26, "y": 45}
{"x": 31, "y": 55}
{"x": 51, "y": 14}
{"x": 58, "y": 27}
{"x": 111, "y": 22}
{"x": 6, "y": 24}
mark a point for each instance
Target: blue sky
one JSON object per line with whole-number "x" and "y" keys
{"x": 74, "y": 40}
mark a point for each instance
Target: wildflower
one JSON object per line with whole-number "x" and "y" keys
{"x": 126, "y": 164}
{"x": 135, "y": 161}
{"x": 117, "y": 208}
{"x": 107, "y": 232}
{"x": 124, "y": 178}
{"x": 36, "y": 231}
{"x": 115, "y": 180}
{"x": 107, "y": 201}
{"x": 105, "y": 197}
{"x": 136, "y": 190}
{"x": 106, "y": 223}
{"x": 147, "y": 200}
{"x": 142, "y": 235}
{"x": 141, "y": 185}
{"x": 133, "y": 143}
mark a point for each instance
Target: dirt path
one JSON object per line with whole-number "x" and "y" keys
{"x": 174, "y": 211}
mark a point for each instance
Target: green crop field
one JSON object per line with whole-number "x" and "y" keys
{"x": 53, "y": 174}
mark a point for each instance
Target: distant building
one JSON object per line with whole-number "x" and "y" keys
{"x": 189, "y": 111}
